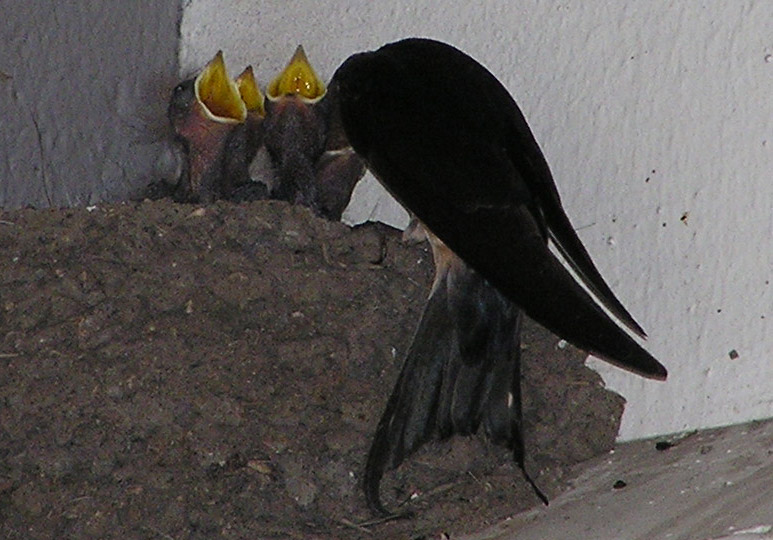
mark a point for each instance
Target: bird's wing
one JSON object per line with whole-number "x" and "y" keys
{"x": 437, "y": 129}
{"x": 484, "y": 111}
{"x": 524, "y": 152}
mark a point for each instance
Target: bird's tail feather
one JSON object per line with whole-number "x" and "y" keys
{"x": 461, "y": 372}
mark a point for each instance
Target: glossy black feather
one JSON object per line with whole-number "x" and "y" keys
{"x": 447, "y": 139}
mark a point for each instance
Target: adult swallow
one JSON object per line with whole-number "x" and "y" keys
{"x": 449, "y": 142}
{"x": 208, "y": 116}
{"x": 311, "y": 161}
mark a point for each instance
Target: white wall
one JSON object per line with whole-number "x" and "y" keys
{"x": 657, "y": 120}
{"x": 83, "y": 92}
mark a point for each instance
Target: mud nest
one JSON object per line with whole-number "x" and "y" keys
{"x": 176, "y": 371}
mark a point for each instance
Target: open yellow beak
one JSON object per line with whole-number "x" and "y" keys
{"x": 250, "y": 92}
{"x": 218, "y": 94}
{"x": 297, "y": 79}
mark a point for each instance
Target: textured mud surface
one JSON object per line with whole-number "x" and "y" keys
{"x": 182, "y": 372}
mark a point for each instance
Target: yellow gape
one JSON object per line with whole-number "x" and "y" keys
{"x": 250, "y": 92}
{"x": 297, "y": 79}
{"x": 218, "y": 94}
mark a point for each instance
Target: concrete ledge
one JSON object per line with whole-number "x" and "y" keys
{"x": 708, "y": 485}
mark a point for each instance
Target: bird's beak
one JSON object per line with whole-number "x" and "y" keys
{"x": 250, "y": 92}
{"x": 218, "y": 94}
{"x": 297, "y": 79}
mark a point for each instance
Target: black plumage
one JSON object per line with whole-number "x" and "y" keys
{"x": 450, "y": 143}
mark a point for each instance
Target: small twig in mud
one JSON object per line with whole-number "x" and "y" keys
{"x": 385, "y": 519}
{"x": 414, "y": 281}
{"x": 347, "y": 523}
{"x": 285, "y": 533}
{"x": 440, "y": 489}
{"x": 159, "y": 533}
{"x": 485, "y": 485}
{"x": 326, "y": 254}
{"x": 416, "y": 495}
{"x": 328, "y": 259}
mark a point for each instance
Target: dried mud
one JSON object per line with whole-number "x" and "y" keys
{"x": 180, "y": 372}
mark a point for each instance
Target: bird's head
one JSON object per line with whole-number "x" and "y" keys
{"x": 372, "y": 76}
{"x": 367, "y": 96}
{"x": 218, "y": 94}
{"x": 207, "y": 113}
{"x": 210, "y": 97}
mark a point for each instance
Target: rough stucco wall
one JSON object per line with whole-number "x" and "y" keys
{"x": 83, "y": 87}
{"x": 657, "y": 121}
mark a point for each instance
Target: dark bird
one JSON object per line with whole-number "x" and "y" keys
{"x": 449, "y": 142}
{"x": 217, "y": 130}
{"x": 313, "y": 163}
